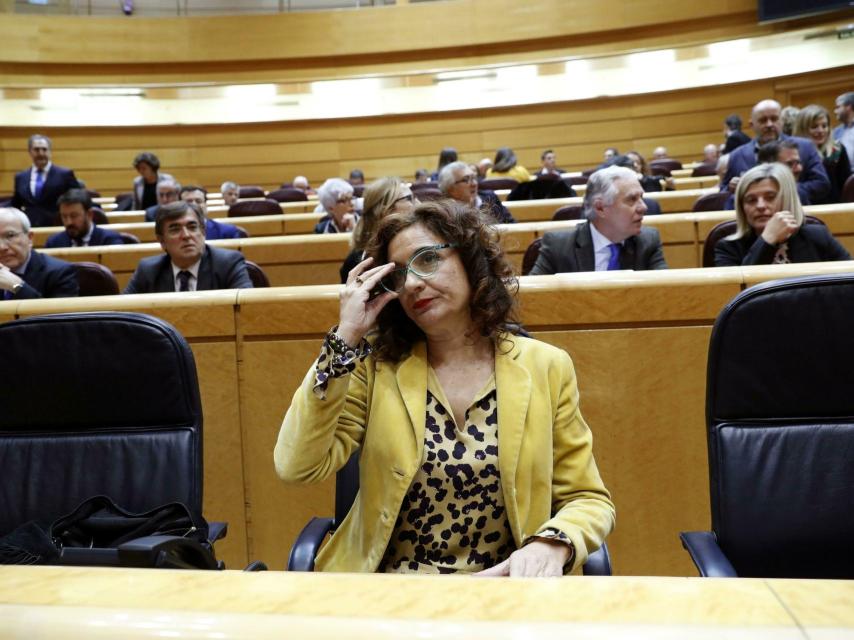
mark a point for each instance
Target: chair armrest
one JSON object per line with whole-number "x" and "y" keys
{"x": 307, "y": 543}
{"x": 707, "y": 555}
{"x": 598, "y": 563}
{"x": 173, "y": 552}
{"x": 217, "y": 531}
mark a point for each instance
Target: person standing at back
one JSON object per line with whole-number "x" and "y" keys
{"x": 38, "y": 188}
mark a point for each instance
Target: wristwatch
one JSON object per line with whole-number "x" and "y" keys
{"x": 16, "y": 288}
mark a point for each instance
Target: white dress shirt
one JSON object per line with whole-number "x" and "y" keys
{"x": 34, "y": 172}
{"x": 194, "y": 272}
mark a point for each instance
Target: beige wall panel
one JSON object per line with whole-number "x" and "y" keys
{"x": 270, "y": 371}
{"x": 680, "y": 256}
{"x": 216, "y": 363}
{"x": 621, "y": 399}
{"x": 291, "y": 312}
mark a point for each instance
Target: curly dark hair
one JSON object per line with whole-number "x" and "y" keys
{"x": 493, "y": 283}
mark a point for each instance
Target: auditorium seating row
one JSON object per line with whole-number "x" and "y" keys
{"x": 312, "y": 259}
{"x": 638, "y": 339}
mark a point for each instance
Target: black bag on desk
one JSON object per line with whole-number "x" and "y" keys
{"x": 98, "y": 522}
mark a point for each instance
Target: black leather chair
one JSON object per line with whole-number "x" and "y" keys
{"x": 95, "y": 279}
{"x": 569, "y": 212}
{"x": 256, "y": 275}
{"x": 780, "y": 428}
{"x": 128, "y": 238}
{"x": 264, "y": 207}
{"x": 541, "y": 188}
{"x": 531, "y": 255}
{"x": 304, "y": 551}
{"x": 101, "y": 404}
{"x": 287, "y": 194}
{"x": 251, "y": 192}
{"x": 711, "y": 202}
{"x": 497, "y": 183}
{"x": 664, "y": 166}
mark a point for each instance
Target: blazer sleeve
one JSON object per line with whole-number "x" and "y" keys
{"x": 729, "y": 253}
{"x": 813, "y": 182}
{"x": 545, "y": 264}
{"x": 318, "y": 435}
{"x": 655, "y": 259}
{"x": 581, "y": 504}
{"x": 136, "y": 284}
{"x": 830, "y": 247}
{"x": 237, "y": 277}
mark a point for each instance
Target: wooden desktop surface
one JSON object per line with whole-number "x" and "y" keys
{"x": 71, "y": 602}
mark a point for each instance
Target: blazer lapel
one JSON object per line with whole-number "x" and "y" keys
{"x": 584, "y": 248}
{"x": 206, "y": 276}
{"x": 412, "y": 384}
{"x": 513, "y": 386}
{"x": 629, "y": 253}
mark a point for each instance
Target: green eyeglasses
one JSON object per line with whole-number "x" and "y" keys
{"x": 423, "y": 264}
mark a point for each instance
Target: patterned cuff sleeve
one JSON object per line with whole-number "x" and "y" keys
{"x": 334, "y": 363}
{"x": 558, "y": 536}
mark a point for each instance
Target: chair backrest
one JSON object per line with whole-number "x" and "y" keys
{"x": 570, "y": 212}
{"x": 531, "y": 255}
{"x": 254, "y": 208}
{"x": 98, "y": 216}
{"x": 241, "y": 232}
{"x": 96, "y": 403}
{"x": 124, "y": 201}
{"x": 420, "y": 186}
{"x": 727, "y": 227}
{"x": 497, "y": 183}
{"x": 287, "y": 195}
{"x": 574, "y": 180}
{"x": 128, "y": 238}
{"x": 848, "y": 189}
{"x": 705, "y": 169}
{"x": 780, "y": 427}
{"x": 711, "y": 201}
{"x": 95, "y": 279}
{"x": 256, "y": 275}
{"x": 541, "y": 188}
{"x": 251, "y": 191}
{"x": 664, "y": 166}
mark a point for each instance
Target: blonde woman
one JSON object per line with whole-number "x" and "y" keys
{"x": 813, "y": 123}
{"x": 770, "y": 224}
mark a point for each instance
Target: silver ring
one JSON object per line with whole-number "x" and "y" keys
{"x": 359, "y": 282}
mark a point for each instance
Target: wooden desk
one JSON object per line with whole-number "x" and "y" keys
{"x": 45, "y": 602}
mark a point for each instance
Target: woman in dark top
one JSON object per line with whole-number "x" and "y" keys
{"x": 770, "y": 224}
{"x": 145, "y": 184}
{"x": 813, "y": 123}
{"x": 382, "y": 197}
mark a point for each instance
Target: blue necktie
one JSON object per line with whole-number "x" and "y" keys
{"x": 614, "y": 260}
{"x": 39, "y": 183}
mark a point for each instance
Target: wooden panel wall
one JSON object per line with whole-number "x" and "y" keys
{"x": 271, "y": 153}
{"x": 639, "y": 342}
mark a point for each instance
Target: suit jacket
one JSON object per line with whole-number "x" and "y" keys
{"x": 100, "y": 237}
{"x": 491, "y": 203}
{"x": 734, "y": 141}
{"x": 47, "y": 277}
{"x": 42, "y": 210}
{"x": 570, "y": 251}
{"x": 812, "y": 243}
{"x": 220, "y": 230}
{"x": 813, "y": 185}
{"x": 220, "y": 269}
{"x": 381, "y": 409}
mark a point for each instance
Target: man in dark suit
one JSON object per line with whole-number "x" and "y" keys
{"x": 75, "y": 212}
{"x": 214, "y": 230}
{"x": 167, "y": 191}
{"x": 612, "y": 238}
{"x": 38, "y": 188}
{"x": 189, "y": 264}
{"x": 813, "y": 183}
{"x": 25, "y": 273}
{"x": 458, "y": 180}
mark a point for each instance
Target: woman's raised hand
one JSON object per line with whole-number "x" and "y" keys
{"x": 358, "y": 311}
{"x": 779, "y": 228}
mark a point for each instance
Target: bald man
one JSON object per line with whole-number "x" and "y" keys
{"x": 765, "y": 120}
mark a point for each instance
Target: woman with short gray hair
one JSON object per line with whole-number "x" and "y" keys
{"x": 336, "y": 198}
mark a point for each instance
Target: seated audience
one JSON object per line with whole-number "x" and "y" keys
{"x": 301, "y": 183}
{"x": 785, "y": 152}
{"x": 771, "y": 227}
{"x": 765, "y": 120}
{"x": 612, "y": 238}
{"x": 813, "y": 123}
{"x": 844, "y": 133}
{"x": 168, "y": 191}
{"x": 38, "y": 188}
{"x": 25, "y": 273}
{"x": 711, "y": 153}
{"x": 733, "y": 134}
{"x": 382, "y": 197}
{"x": 634, "y": 160}
{"x": 145, "y": 184}
{"x": 549, "y": 164}
{"x": 357, "y": 178}
{"x": 660, "y": 153}
{"x": 446, "y": 156}
{"x": 230, "y": 192}
{"x": 483, "y": 166}
{"x": 440, "y": 366}
{"x": 336, "y": 200}
{"x": 459, "y": 181}
{"x": 75, "y": 211}
{"x": 214, "y": 230}
{"x": 610, "y": 154}
{"x": 788, "y": 116}
{"x": 505, "y": 166}
{"x": 421, "y": 176}
{"x": 188, "y": 264}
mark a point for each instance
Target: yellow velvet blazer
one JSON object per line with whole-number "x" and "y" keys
{"x": 548, "y": 475}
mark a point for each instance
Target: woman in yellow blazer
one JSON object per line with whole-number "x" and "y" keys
{"x": 474, "y": 454}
